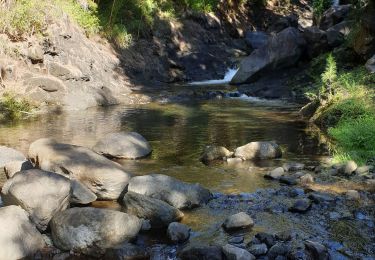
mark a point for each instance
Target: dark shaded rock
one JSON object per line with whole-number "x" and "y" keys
{"x": 238, "y": 221}
{"x": 279, "y": 249}
{"x": 202, "y": 253}
{"x": 212, "y": 153}
{"x": 283, "y": 22}
{"x": 103, "y": 177}
{"x": 13, "y": 167}
{"x": 123, "y": 145}
{"x": 42, "y": 194}
{"x": 235, "y": 253}
{"x": 178, "y": 232}
{"x": 334, "y": 15}
{"x": 257, "y": 39}
{"x": 285, "y": 235}
{"x": 266, "y": 238}
{"x": 316, "y": 250}
{"x": 301, "y": 206}
{"x": 289, "y": 180}
{"x": 317, "y": 43}
{"x": 176, "y": 193}
{"x": 293, "y": 166}
{"x": 18, "y": 236}
{"x": 319, "y": 197}
{"x": 258, "y": 150}
{"x": 309, "y": 109}
{"x": 258, "y": 249}
{"x": 91, "y": 231}
{"x": 236, "y": 240}
{"x": 126, "y": 251}
{"x": 160, "y": 213}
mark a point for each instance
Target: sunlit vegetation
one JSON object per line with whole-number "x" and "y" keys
{"x": 12, "y": 108}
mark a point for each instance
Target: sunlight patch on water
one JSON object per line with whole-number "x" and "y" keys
{"x": 227, "y": 78}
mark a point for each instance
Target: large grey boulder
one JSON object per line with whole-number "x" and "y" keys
{"x": 159, "y": 213}
{"x": 9, "y": 155}
{"x": 103, "y": 177}
{"x": 42, "y": 194}
{"x": 91, "y": 231}
{"x": 235, "y": 253}
{"x": 176, "y": 193}
{"x": 258, "y": 150}
{"x": 13, "y": 167}
{"x": 18, "y": 236}
{"x": 256, "y": 39}
{"x": 123, "y": 145}
{"x": 282, "y": 50}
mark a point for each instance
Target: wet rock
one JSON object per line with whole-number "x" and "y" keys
{"x": 236, "y": 240}
{"x": 123, "y": 145}
{"x": 301, "y": 206}
{"x": 258, "y": 249}
{"x": 288, "y": 180}
{"x": 282, "y": 50}
{"x": 319, "y": 197}
{"x": 18, "y": 236}
{"x": 201, "y": 252}
{"x": 293, "y": 166}
{"x": 258, "y": 150}
{"x": 13, "y": 167}
{"x": 306, "y": 179}
{"x": 279, "y": 249}
{"x": 91, "y": 231}
{"x": 178, "y": 232}
{"x": 103, "y": 177}
{"x": 42, "y": 194}
{"x": 126, "y": 251}
{"x": 257, "y": 39}
{"x": 316, "y": 250}
{"x": 235, "y": 253}
{"x": 8, "y": 155}
{"x": 80, "y": 194}
{"x": 350, "y": 167}
{"x": 176, "y": 193}
{"x": 238, "y": 221}
{"x": 334, "y": 15}
{"x": 266, "y": 238}
{"x": 275, "y": 174}
{"x": 160, "y": 213}
{"x": 212, "y": 153}
{"x": 353, "y": 195}
{"x": 234, "y": 161}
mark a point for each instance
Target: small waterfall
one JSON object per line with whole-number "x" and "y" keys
{"x": 227, "y": 78}
{"x": 335, "y": 2}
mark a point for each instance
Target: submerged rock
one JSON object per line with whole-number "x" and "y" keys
{"x": 42, "y": 194}
{"x": 18, "y": 236}
{"x": 159, "y": 213}
{"x": 91, "y": 231}
{"x": 123, "y": 145}
{"x": 103, "y": 177}
{"x": 258, "y": 150}
{"x": 212, "y": 153}
{"x": 235, "y": 253}
{"x": 179, "y": 194}
{"x": 201, "y": 252}
{"x": 238, "y": 221}
{"x": 293, "y": 166}
{"x": 8, "y": 155}
{"x": 178, "y": 232}
{"x": 275, "y": 174}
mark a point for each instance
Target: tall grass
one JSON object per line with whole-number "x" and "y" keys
{"x": 12, "y": 108}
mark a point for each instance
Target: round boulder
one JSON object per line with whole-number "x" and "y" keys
{"x": 91, "y": 231}
{"x": 123, "y": 145}
{"x": 178, "y": 232}
{"x": 258, "y": 150}
{"x": 238, "y": 221}
{"x": 212, "y": 153}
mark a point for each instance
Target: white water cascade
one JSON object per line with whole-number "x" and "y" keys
{"x": 227, "y": 78}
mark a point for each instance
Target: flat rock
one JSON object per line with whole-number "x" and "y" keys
{"x": 19, "y": 237}
{"x": 201, "y": 252}
{"x": 159, "y": 213}
{"x": 13, "y": 167}
{"x": 178, "y": 232}
{"x": 42, "y": 194}
{"x": 293, "y": 166}
{"x": 8, "y": 155}
{"x": 103, "y": 177}
{"x": 123, "y": 145}
{"x": 258, "y": 150}
{"x": 126, "y": 251}
{"x": 235, "y": 253}
{"x": 80, "y": 194}
{"x": 301, "y": 206}
{"x": 179, "y": 194}
{"x": 47, "y": 83}
{"x": 92, "y": 231}
{"x": 238, "y": 221}
{"x": 320, "y": 197}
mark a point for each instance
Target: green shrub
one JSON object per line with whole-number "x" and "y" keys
{"x": 319, "y": 6}
{"x": 12, "y": 108}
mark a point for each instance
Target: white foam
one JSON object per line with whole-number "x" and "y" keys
{"x": 227, "y": 78}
